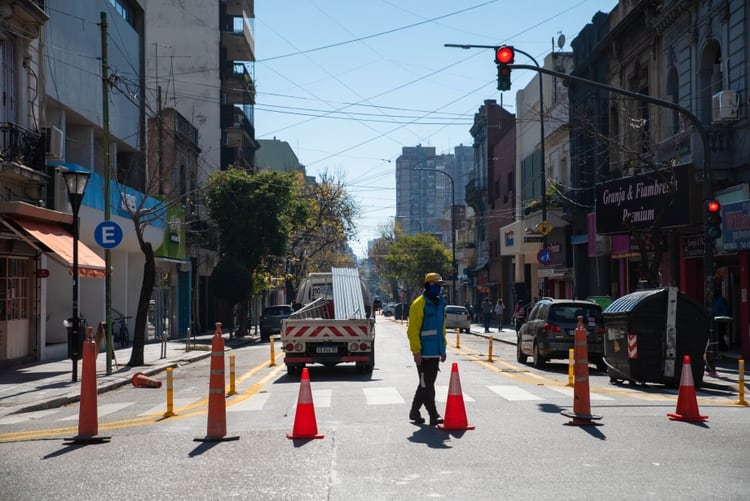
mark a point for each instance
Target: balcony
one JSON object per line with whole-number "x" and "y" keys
{"x": 22, "y": 153}
{"x": 237, "y": 85}
{"x": 237, "y": 38}
{"x": 686, "y": 147}
{"x": 236, "y": 128}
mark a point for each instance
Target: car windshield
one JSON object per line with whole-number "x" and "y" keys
{"x": 455, "y": 310}
{"x": 278, "y": 310}
{"x": 570, "y": 313}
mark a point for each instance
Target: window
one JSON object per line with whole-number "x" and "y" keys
{"x": 14, "y": 289}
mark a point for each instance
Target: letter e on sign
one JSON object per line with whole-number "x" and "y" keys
{"x": 108, "y": 234}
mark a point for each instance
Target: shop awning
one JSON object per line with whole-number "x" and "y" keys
{"x": 60, "y": 243}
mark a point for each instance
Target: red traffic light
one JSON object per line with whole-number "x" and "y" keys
{"x": 505, "y": 55}
{"x": 713, "y": 206}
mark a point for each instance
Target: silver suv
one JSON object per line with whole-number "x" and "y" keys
{"x": 549, "y": 331}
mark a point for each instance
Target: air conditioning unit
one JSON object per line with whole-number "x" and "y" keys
{"x": 724, "y": 106}
{"x": 53, "y": 143}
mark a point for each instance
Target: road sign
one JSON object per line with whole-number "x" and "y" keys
{"x": 544, "y": 256}
{"x": 108, "y": 234}
{"x": 544, "y": 227}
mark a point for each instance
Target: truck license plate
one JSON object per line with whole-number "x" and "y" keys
{"x": 326, "y": 349}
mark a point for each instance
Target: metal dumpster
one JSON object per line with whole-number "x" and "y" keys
{"x": 647, "y": 334}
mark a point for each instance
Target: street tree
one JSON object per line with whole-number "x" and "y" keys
{"x": 255, "y": 215}
{"x": 320, "y": 240}
{"x": 408, "y": 258}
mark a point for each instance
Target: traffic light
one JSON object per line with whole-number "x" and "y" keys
{"x": 504, "y": 56}
{"x": 713, "y": 219}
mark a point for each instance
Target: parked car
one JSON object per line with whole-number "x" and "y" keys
{"x": 457, "y": 317}
{"x": 549, "y": 331}
{"x": 389, "y": 309}
{"x": 270, "y": 320}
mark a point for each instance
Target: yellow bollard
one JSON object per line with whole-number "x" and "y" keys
{"x": 741, "y": 383}
{"x": 273, "y": 353}
{"x": 232, "y": 390}
{"x": 489, "y": 350}
{"x": 170, "y": 394}
{"x": 571, "y": 366}
{"x": 458, "y": 337}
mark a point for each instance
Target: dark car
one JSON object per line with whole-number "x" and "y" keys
{"x": 270, "y": 321}
{"x": 549, "y": 331}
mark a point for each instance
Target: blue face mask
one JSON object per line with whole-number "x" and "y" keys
{"x": 434, "y": 290}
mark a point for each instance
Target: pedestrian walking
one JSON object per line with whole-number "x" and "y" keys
{"x": 519, "y": 315}
{"x": 427, "y": 341}
{"x": 499, "y": 314}
{"x": 486, "y": 313}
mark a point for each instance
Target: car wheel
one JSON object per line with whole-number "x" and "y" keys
{"x": 538, "y": 359}
{"x": 519, "y": 354}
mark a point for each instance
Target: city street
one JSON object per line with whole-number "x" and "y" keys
{"x": 522, "y": 447}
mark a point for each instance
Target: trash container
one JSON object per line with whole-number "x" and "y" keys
{"x": 649, "y": 332}
{"x": 75, "y": 346}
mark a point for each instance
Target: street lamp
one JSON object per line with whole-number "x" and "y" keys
{"x": 75, "y": 183}
{"x": 454, "y": 269}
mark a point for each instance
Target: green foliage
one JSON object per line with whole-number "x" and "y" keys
{"x": 231, "y": 281}
{"x": 405, "y": 259}
{"x": 255, "y": 215}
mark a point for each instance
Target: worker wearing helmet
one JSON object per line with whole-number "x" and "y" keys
{"x": 426, "y": 332}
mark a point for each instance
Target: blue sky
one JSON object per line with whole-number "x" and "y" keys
{"x": 347, "y": 84}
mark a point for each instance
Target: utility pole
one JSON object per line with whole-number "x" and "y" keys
{"x": 107, "y": 210}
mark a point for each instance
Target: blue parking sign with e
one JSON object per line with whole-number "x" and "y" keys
{"x": 108, "y": 234}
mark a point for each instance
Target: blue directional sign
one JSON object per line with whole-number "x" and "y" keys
{"x": 108, "y": 234}
{"x": 544, "y": 256}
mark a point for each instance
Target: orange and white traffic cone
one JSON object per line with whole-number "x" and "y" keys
{"x": 140, "y": 380}
{"x": 581, "y": 414}
{"x": 216, "y": 428}
{"x": 88, "y": 419}
{"x": 687, "y": 401}
{"x": 455, "y": 410}
{"x": 305, "y": 425}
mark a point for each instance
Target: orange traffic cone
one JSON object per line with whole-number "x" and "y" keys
{"x": 305, "y": 426}
{"x": 88, "y": 422}
{"x": 140, "y": 380}
{"x": 217, "y": 406}
{"x": 455, "y": 411}
{"x": 581, "y": 414}
{"x": 687, "y": 402}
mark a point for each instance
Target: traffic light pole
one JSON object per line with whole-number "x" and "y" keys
{"x": 708, "y": 244}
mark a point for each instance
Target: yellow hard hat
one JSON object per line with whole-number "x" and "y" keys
{"x": 433, "y": 277}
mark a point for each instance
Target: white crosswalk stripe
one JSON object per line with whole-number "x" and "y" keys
{"x": 513, "y": 393}
{"x": 26, "y": 416}
{"x": 441, "y": 394}
{"x": 162, "y": 408}
{"x": 255, "y": 403}
{"x": 102, "y": 410}
{"x": 565, "y": 390}
{"x": 383, "y": 396}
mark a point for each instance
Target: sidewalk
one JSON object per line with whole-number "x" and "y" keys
{"x": 44, "y": 385}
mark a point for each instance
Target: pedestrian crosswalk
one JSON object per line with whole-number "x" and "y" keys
{"x": 324, "y": 398}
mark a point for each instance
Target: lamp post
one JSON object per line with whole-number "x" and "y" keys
{"x": 454, "y": 268}
{"x": 75, "y": 183}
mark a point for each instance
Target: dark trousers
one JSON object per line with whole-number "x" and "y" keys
{"x": 487, "y": 318}
{"x": 425, "y": 394}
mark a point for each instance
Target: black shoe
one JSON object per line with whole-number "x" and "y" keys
{"x": 416, "y": 417}
{"x": 435, "y": 420}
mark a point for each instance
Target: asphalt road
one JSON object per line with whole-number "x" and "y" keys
{"x": 521, "y": 446}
